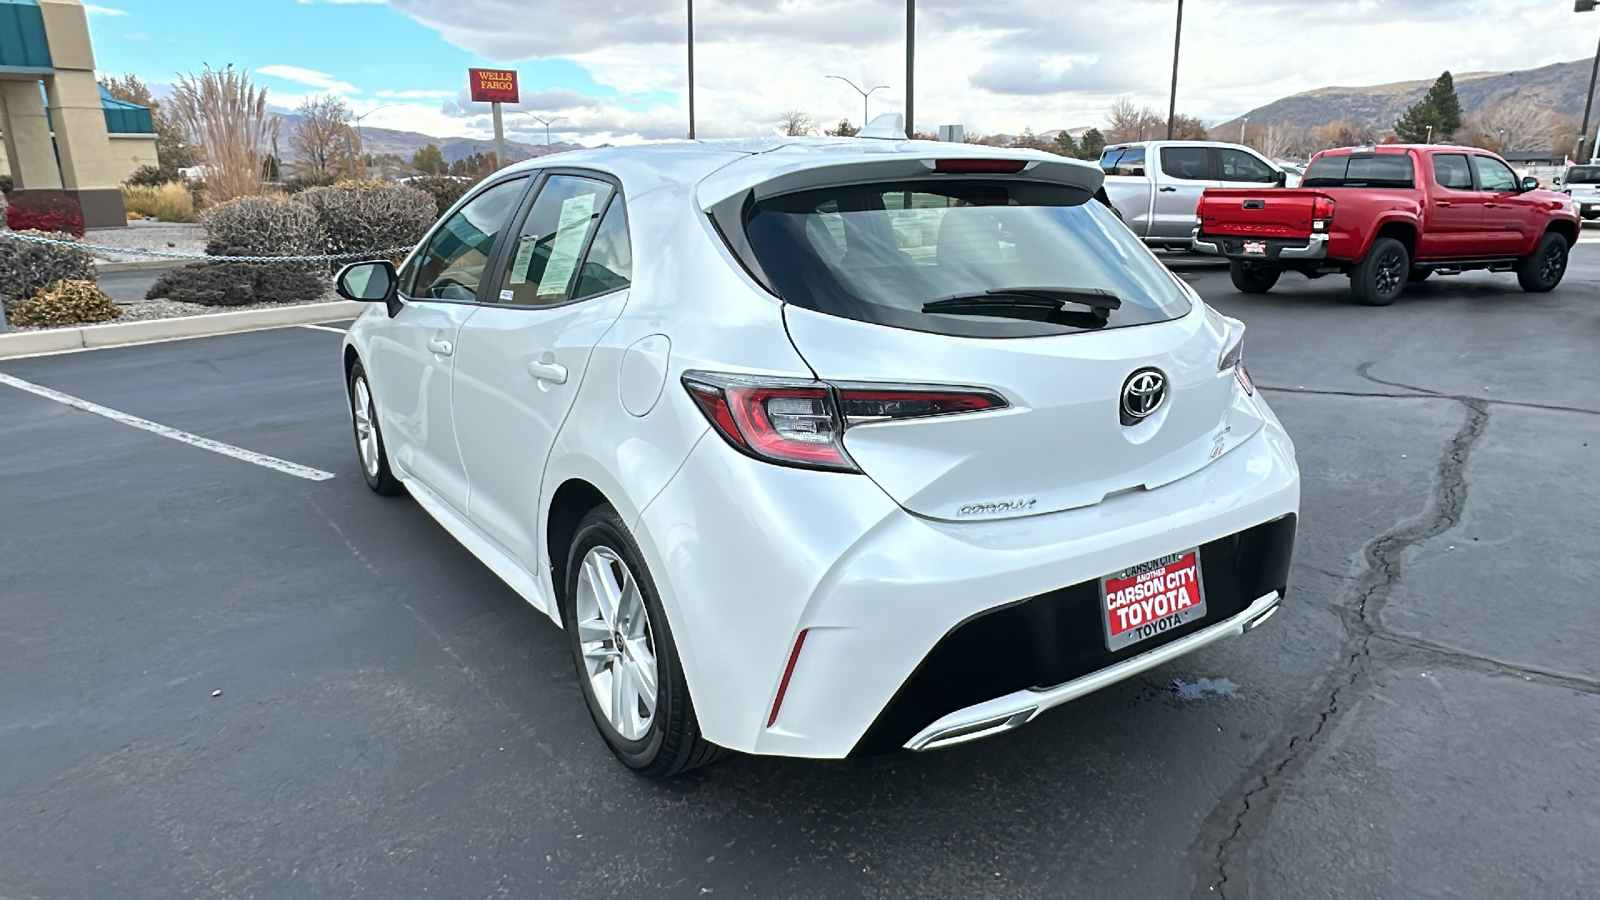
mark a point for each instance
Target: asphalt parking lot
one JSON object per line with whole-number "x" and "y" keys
{"x": 1422, "y": 719}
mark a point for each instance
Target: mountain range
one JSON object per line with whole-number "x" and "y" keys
{"x": 1559, "y": 86}
{"x": 378, "y": 141}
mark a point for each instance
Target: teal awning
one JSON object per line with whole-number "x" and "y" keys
{"x": 123, "y": 117}
{"x": 22, "y": 41}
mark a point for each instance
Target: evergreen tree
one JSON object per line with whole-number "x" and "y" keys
{"x": 1420, "y": 124}
{"x": 1065, "y": 145}
{"x": 429, "y": 161}
{"x": 1443, "y": 98}
{"x": 1093, "y": 142}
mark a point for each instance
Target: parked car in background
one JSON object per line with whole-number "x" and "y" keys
{"x": 821, "y": 447}
{"x": 1582, "y": 184}
{"x": 1155, "y": 186}
{"x": 1391, "y": 215}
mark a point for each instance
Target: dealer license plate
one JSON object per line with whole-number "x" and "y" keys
{"x": 1150, "y": 599}
{"x": 1255, "y": 248}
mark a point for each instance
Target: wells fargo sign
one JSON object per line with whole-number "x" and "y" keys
{"x": 493, "y": 85}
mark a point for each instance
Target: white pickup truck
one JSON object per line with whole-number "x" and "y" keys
{"x": 1155, "y": 186}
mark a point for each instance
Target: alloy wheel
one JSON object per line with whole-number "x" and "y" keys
{"x": 1389, "y": 275}
{"x": 619, "y": 652}
{"x": 1554, "y": 262}
{"x": 366, "y": 431}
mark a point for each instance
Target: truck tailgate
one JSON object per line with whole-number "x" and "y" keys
{"x": 1264, "y": 213}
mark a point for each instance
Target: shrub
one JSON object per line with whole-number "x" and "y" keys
{"x": 370, "y": 215}
{"x": 45, "y": 211}
{"x": 263, "y": 226}
{"x": 236, "y": 284}
{"x": 168, "y": 202}
{"x": 25, "y": 267}
{"x": 445, "y": 191}
{"x": 153, "y": 176}
{"x": 73, "y": 302}
{"x": 5, "y": 184}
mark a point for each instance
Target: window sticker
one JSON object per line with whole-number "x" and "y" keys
{"x": 519, "y": 266}
{"x": 571, "y": 229}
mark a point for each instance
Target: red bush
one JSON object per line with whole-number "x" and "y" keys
{"x": 44, "y": 211}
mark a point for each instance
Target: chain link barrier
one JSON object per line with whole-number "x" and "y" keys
{"x": 94, "y": 249}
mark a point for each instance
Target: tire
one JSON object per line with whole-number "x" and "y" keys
{"x": 1590, "y": 217}
{"x": 371, "y": 451}
{"x": 1251, "y": 279}
{"x": 1418, "y": 276}
{"x": 602, "y": 562}
{"x": 1542, "y": 270}
{"x": 1378, "y": 279}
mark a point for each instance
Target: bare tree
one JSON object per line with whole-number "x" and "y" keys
{"x": 1516, "y": 125}
{"x": 224, "y": 117}
{"x": 1126, "y": 121}
{"x": 1342, "y": 133}
{"x": 797, "y": 122}
{"x": 320, "y": 137}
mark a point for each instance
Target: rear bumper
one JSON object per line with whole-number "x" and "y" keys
{"x": 1278, "y": 249}
{"x": 748, "y": 555}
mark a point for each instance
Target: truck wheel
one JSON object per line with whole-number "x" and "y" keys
{"x": 1252, "y": 279}
{"x": 1418, "y": 276}
{"x": 1543, "y": 270}
{"x": 1377, "y": 280}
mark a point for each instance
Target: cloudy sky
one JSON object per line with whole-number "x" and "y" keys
{"x": 614, "y": 69}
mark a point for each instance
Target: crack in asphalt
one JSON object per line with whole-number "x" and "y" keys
{"x": 1488, "y": 665}
{"x": 1365, "y": 371}
{"x": 1459, "y": 398}
{"x": 1234, "y": 823}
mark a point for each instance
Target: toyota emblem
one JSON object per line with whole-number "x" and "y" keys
{"x": 1142, "y": 394}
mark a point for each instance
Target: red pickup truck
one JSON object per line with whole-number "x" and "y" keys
{"x": 1390, "y": 215}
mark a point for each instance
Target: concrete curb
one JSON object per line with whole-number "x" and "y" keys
{"x": 117, "y": 334}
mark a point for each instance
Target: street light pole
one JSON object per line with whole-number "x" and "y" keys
{"x": 691, "y": 70}
{"x": 1588, "y": 99}
{"x": 864, "y": 95}
{"x": 1172, "y": 102}
{"x": 546, "y": 129}
{"x": 1242, "y": 126}
{"x": 911, "y": 68}
{"x": 361, "y": 137}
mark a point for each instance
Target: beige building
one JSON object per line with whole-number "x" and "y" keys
{"x": 60, "y": 130}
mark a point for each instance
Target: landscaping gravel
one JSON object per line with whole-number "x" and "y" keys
{"x": 147, "y": 234}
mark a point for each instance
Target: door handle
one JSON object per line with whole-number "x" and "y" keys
{"x": 1168, "y": 190}
{"x": 1442, "y": 204}
{"x": 1491, "y": 206}
{"x": 553, "y": 372}
{"x": 441, "y": 346}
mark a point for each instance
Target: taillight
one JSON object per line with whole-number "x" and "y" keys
{"x": 1321, "y": 213}
{"x": 801, "y": 422}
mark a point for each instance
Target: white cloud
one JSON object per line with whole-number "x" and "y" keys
{"x": 94, "y": 10}
{"x": 310, "y": 78}
{"x": 993, "y": 66}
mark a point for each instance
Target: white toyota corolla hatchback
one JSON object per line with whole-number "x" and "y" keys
{"x": 820, "y": 447}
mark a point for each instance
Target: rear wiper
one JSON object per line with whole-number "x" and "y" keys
{"x": 1036, "y": 304}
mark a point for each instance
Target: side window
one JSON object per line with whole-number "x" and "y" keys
{"x": 545, "y": 254}
{"x": 609, "y": 265}
{"x": 1450, "y": 171}
{"x": 452, "y": 265}
{"x": 1130, "y": 163}
{"x": 1188, "y": 163}
{"x": 1238, "y": 165}
{"x": 1494, "y": 175}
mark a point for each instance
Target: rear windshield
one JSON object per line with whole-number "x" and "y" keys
{"x": 880, "y": 253}
{"x": 1583, "y": 175}
{"x": 1380, "y": 170}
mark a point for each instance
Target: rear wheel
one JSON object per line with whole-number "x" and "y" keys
{"x": 628, "y": 666}
{"x": 1377, "y": 279}
{"x": 1252, "y": 279}
{"x": 1542, "y": 271}
{"x": 370, "y": 449}
{"x": 1591, "y": 216}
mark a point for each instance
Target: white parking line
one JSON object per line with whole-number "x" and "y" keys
{"x": 325, "y": 328}
{"x": 250, "y": 456}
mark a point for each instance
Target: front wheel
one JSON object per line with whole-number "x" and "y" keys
{"x": 1377, "y": 279}
{"x": 1542, "y": 270}
{"x": 370, "y": 448}
{"x": 1252, "y": 279}
{"x": 628, "y": 666}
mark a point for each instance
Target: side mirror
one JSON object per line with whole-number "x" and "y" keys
{"x": 1281, "y": 177}
{"x": 370, "y": 282}
{"x": 1530, "y": 183}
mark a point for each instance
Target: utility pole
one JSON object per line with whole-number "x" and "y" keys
{"x": 911, "y": 69}
{"x": 691, "y": 70}
{"x": 1172, "y": 102}
{"x": 1588, "y": 99}
{"x": 1242, "y": 126}
{"x": 349, "y": 152}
